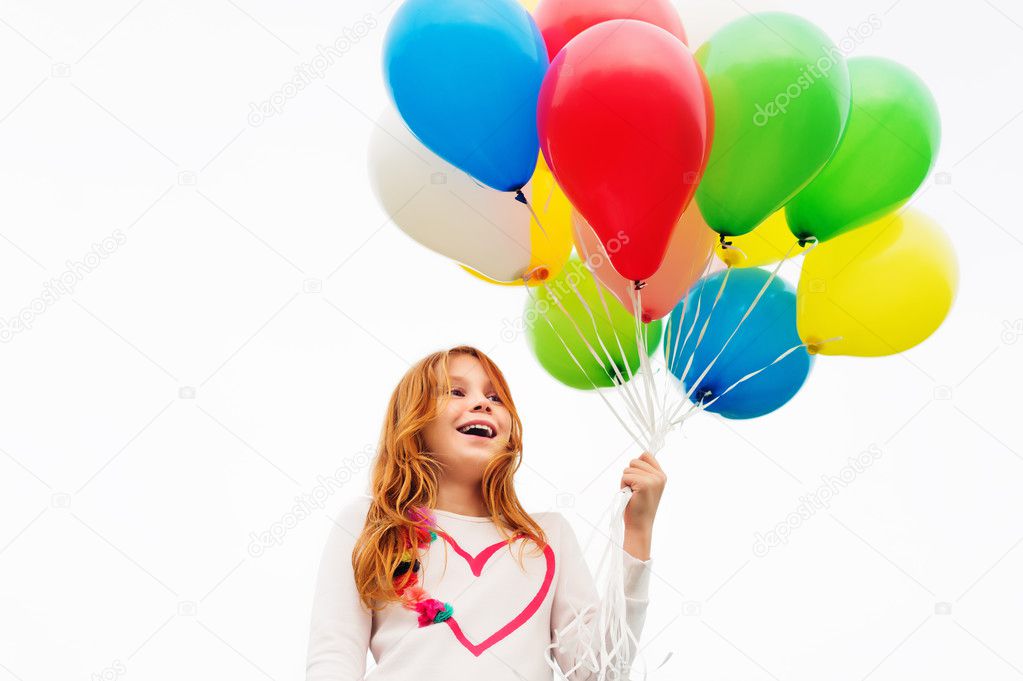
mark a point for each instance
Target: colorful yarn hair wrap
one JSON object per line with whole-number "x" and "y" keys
{"x": 406, "y": 579}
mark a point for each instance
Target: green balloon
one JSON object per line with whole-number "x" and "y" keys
{"x": 781, "y": 100}
{"x": 551, "y": 353}
{"x": 890, "y": 143}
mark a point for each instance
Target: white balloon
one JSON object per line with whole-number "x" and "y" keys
{"x": 445, "y": 209}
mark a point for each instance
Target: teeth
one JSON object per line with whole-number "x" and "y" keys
{"x": 489, "y": 431}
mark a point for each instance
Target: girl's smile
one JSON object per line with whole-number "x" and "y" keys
{"x": 472, "y": 425}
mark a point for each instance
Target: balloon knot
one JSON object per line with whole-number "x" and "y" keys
{"x": 519, "y": 196}
{"x": 540, "y": 273}
{"x": 724, "y": 243}
{"x": 639, "y": 284}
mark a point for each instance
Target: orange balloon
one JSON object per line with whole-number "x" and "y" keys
{"x": 686, "y": 260}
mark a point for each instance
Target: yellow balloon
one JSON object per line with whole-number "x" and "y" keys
{"x": 766, "y": 244}
{"x": 550, "y": 246}
{"x": 530, "y": 5}
{"x": 877, "y": 290}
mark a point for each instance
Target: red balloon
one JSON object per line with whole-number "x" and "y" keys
{"x": 562, "y": 20}
{"x": 624, "y": 119}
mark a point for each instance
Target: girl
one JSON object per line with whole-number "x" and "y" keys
{"x": 422, "y": 571}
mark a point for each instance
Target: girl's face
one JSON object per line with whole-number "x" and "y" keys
{"x": 463, "y": 451}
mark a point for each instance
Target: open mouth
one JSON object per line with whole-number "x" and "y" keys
{"x": 477, "y": 430}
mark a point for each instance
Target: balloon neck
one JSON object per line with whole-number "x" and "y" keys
{"x": 519, "y": 196}
{"x": 813, "y": 348}
{"x": 805, "y": 239}
{"x": 638, "y": 284}
{"x": 538, "y": 274}
{"x": 645, "y": 318}
{"x": 724, "y": 242}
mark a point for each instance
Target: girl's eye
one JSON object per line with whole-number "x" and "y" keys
{"x": 461, "y": 393}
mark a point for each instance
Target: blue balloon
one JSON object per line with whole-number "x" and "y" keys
{"x": 768, "y": 332}
{"x": 465, "y": 75}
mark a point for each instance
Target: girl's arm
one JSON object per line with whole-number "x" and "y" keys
{"x": 646, "y": 478}
{"x": 340, "y": 626}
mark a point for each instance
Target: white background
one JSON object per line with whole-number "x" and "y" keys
{"x": 242, "y": 342}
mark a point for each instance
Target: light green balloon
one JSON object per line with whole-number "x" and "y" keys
{"x": 890, "y": 143}
{"x": 551, "y": 353}
{"x": 781, "y": 100}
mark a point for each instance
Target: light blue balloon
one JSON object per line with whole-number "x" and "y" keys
{"x": 769, "y": 331}
{"x": 465, "y": 75}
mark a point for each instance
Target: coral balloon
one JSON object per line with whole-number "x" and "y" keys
{"x": 561, "y": 20}
{"x": 877, "y": 290}
{"x": 684, "y": 263}
{"x": 623, "y": 119}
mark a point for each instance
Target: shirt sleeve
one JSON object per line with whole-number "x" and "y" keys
{"x": 340, "y": 625}
{"x": 575, "y": 590}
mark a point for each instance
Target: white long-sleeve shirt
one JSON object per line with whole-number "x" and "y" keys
{"x": 504, "y": 617}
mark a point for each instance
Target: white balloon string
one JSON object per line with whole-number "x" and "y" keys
{"x": 644, "y": 360}
{"x": 669, "y": 387}
{"x": 550, "y": 194}
{"x": 605, "y": 647}
{"x": 625, "y": 387}
{"x": 745, "y": 316}
{"x": 532, "y": 212}
{"x": 754, "y": 373}
{"x": 607, "y": 310}
{"x": 634, "y": 412}
{"x": 583, "y": 371}
{"x": 696, "y": 317}
{"x": 628, "y": 386}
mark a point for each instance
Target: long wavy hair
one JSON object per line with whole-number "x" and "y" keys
{"x": 405, "y": 476}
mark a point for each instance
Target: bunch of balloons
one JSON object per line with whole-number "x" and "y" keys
{"x": 521, "y": 130}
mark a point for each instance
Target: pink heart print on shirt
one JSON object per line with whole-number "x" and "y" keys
{"x": 476, "y": 564}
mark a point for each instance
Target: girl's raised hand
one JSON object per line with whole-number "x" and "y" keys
{"x": 647, "y": 480}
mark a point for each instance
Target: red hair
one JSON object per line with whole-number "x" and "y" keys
{"x": 405, "y": 476}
